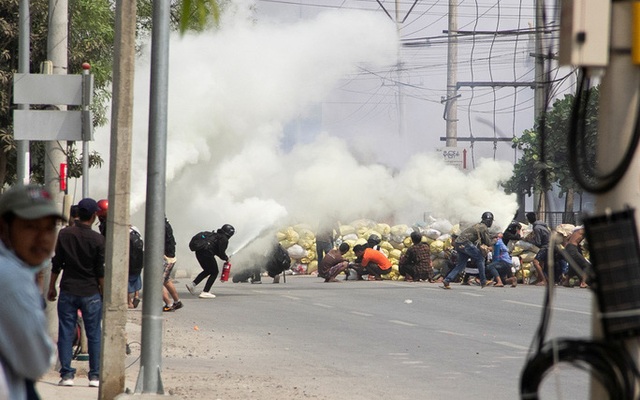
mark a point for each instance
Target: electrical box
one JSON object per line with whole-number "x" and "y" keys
{"x": 584, "y": 32}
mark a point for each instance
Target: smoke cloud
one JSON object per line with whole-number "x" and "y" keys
{"x": 232, "y": 91}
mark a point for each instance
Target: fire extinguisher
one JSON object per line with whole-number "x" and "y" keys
{"x": 225, "y": 271}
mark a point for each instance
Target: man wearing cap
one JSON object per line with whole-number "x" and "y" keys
{"x": 28, "y": 226}
{"x": 80, "y": 253}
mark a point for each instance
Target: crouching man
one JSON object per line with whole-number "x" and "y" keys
{"x": 333, "y": 263}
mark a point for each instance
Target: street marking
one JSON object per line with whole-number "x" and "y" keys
{"x": 395, "y": 321}
{"x": 322, "y": 305}
{"x": 512, "y": 345}
{"x": 453, "y": 333}
{"x": 472, "y": 294}
{"x": 361, "y": 314}
{"x": 553, "y": 308}
{"x": 398, "y": 354}
{"x": 290, "y": 297}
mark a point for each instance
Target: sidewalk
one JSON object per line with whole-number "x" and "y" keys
{"x": 48, "y": 387}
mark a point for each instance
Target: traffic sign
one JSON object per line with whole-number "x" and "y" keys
{"x": 456, "y": 156}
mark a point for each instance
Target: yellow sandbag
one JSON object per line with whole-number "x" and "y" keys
{"x": 286, "y": 243}
{"x": 528, "y": 257}
{"x": 307, "y": 243}
{"x": 395, "y": 253}
{"x": 455, "y": 230}
{"x": 281, "y": 235}
{"x": 407, "y": 242}
{"x": 305, "y": 260}
{"x": 400, "y": 230}
{"x": 363, "y": 232}
{"x": 306, "y": 234}
{"x": 346, "y": 229}
{"x": 436, "y": 247}
{"x": 384, "y": 229}
{"x": 312, "y": 267}
{"x": 292, "y": 235}
{"x": 386, "y": 245}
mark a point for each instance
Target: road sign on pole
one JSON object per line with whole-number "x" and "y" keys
{"x": 74, "y": 90}
{"x": 456, "y": 156}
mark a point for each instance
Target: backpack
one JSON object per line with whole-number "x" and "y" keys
{"x": 136, "y": 252}
{"x": 280, "y": 261}
{"x": 201, "y": 240}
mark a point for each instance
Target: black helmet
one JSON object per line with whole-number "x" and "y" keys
{"x": 487, "y": 218}
{"x": 487, "y": 215}
{"x": 228, "y": 230}
{"x": 373, "y": 239}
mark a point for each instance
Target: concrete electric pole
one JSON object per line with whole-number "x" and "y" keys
{"x": 117, "y": 251}
{"x": 57, "y": 54}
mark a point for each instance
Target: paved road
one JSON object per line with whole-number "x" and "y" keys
{"x": 362, "y": 340}
{"x": 387, "y": 339}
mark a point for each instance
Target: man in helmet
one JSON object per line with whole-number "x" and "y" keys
{"x": 103, "y": 209}
{"x": 216, "y": 244}
{"x": 467, "y": 245}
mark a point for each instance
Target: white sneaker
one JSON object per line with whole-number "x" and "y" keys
{"x": 191, "y": 288}
{"x": 207, "y": 295}
{"x": 94, "y": 383}
{"x": 65, "y": 382}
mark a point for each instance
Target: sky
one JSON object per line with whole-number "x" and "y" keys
{"x": 267, "y": 126}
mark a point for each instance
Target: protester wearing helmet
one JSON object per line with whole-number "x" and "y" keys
{"x": 216, "y": 244}
{"x": 103, "y": 210}
{"x": 467, "y": 245}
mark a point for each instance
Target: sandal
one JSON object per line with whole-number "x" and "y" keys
{"x": 135, "y": 302}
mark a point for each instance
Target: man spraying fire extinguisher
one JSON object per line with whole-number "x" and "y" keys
{"x": 207, "y": 245}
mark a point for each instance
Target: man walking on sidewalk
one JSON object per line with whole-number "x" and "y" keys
{"x": 80, "y": 253}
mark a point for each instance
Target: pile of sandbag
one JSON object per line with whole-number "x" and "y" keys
{"x": 299, "y": 241}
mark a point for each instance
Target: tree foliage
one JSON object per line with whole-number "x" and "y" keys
{"x": 539, "y": 171}
{"x": 90, "y": 39}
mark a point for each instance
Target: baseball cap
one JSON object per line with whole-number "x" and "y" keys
{"x": 29, "y": 202}
{"x": 88, "y": 204}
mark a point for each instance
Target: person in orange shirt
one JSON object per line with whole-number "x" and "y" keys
{"x": 373, "y": 262}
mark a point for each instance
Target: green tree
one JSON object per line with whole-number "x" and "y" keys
{"x": 198, "y": 14}
{"x": 91, "y": 38}
{"x": 536, "y": 171}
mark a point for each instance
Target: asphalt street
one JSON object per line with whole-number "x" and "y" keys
{"x": 388, "y": 339}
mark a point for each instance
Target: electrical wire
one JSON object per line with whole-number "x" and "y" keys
{"x": 593, "y": 181}
{"x": 608, "y": 361}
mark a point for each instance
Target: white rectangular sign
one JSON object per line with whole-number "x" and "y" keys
{"x": 456, "y": 156}
{"x": 47, "y": 89}
{"x": 47, "y": 125}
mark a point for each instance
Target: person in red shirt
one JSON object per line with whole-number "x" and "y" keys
{"x": 373, "y": 262}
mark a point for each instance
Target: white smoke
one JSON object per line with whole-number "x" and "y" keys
{"x": 232, "y": 91}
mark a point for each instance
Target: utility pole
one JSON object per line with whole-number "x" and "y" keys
{"x": 117, "y": 247}
{"x": 149, "y": 380}
{"x": 451, "y": 102}
{"x": 57, "y": 54}
{"x": 24, "y": 44}
{"x": 399, "y": 67}
{"x": 539, "y": 102}
{"x": 618, "y": 114}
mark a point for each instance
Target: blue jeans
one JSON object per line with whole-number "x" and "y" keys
{"x": 500, "y": 268}
{"x": 466, "y": 251}
{"x": 91, "y": 307}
